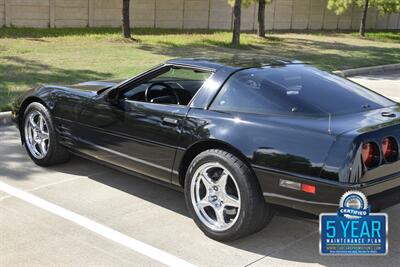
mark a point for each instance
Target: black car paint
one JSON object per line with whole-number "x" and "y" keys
{"x": 154, "y": 139}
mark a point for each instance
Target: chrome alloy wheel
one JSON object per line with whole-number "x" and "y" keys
{"x": 215, "y": 196}
{"x": 37, "y": 135}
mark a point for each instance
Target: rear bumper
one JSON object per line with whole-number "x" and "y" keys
{"x": 381, "y": 193}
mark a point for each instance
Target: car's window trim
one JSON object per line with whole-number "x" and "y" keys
{"x": 201, "y": 87}
{"x": 155, "y": 104}
{"x": 156, "y": 71}
{"x": 208, "y": 107}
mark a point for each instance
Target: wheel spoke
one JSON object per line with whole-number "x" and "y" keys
{"x": 41, "y": 123}
{"x": 219, "y": 213}
{"x": 35, "y": 149}
{"x": 203, "y": 203}
{"x": 231, "y": 201}
{"x": 30, "y": 135}
{"x": 222, "y": 180}
{"x": 32, "y": 122}
{"x": 206, "y": 180}
{"x": 43, "y": 147}
{"x": 45, "y": 136}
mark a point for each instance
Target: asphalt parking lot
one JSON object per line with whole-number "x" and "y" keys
{"x": 387, "y": 84}
{"x": 85, "y": 214}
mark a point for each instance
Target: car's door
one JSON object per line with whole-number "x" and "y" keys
{"x": 135, "y": 134}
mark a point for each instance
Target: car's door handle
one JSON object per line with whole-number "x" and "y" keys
{"x": 172, "y": 121}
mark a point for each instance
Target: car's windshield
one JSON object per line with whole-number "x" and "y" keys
{"x": 294, "y": 89}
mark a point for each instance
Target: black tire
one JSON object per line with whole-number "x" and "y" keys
{"x": 56, "y": 153}
{"x": 254, "y": 213}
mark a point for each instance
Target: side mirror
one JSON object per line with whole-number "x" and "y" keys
{"x": 112, "y": 96}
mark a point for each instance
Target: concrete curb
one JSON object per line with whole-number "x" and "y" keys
{"x": 368, "y": 70}
{"x": 5, "y": 118}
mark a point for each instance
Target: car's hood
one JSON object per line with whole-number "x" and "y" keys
{"x": 95, "y": 85}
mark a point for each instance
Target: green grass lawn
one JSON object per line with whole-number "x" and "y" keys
{"x": 29, "y": 57}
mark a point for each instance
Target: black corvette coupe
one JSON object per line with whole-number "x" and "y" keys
{"x": 237, "y": 139}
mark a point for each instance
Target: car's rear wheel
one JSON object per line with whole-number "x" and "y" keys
{"x": 224, "y": 197}
{"x": 40, "y": 138}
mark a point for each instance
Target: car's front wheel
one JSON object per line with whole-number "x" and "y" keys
{"x": 40, "y": 138}
{"x": 224, "y": 197}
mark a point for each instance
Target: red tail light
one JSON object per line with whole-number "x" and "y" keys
{"x": 368, "y": 154}
{"x": 308, "y": 188}
{"x": 389, "y": 149}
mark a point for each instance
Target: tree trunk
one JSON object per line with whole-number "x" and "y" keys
{"x": 364, "y": 19}
{"x": 236, "y": 23}
{"x": 126, "y": 30}
{"x": 261, "y": 18}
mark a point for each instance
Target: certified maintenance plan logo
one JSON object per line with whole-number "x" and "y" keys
{"x": 353, "y": 230}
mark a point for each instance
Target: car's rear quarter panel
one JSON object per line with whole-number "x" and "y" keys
{"x": 272, "y": 142}
{"x": 268, "y": 142}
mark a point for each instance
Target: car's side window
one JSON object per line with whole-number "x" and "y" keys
{"x": 174, "y": 85}
{"x": 245, "y": 92}
{"x": 295, "y": 90}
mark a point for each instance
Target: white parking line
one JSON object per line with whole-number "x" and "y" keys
{"x": 129, "y": 242}
{"x": 45, "y": 185}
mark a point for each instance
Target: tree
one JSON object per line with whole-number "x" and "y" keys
{"x": 364, "y": 18}
{"x": 237, "y": 11}
{"x": 126, "y": 29}
{"x": 384, "y": 6}
{"x": 261, "y": 16}
{"x": 236, "y": 22}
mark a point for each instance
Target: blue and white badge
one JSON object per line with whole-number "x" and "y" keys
{"x": 353, "y": 230}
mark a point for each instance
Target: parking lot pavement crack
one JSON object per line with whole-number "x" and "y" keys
{"x": 282, "y": 248}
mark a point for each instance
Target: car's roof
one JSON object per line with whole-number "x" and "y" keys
{"x": 233, "y": 62}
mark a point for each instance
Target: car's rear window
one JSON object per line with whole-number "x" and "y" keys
{"x": 295, "y": 89}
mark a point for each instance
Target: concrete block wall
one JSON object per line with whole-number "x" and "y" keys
{"x": 2, "y": 12}
{"x": 186, "y": 14}
{"x": 382, "y": 21}
{"x": 330, "y": 20}
{"x": 70, "y": 13}
{"x": 142, "y": 13}
{"x": 393, "y": 21}
{"x": 169, "y": 14}
{"x": 270, "y": 15}
{"x": 27, "y": 13}
{"x": 196, "y": 14}
{"x": 355, "y": 17}
{"x": 316, "y": 16}
{"x": 107, "y": 13}
{"x": 248, "y": 17}
{"x": 301, "y": 13}
{"x": 371, "y": 19}
{"x": 220, "y": 15}
{"x": 345, "y": 21}
{"x": 283, "y": 14}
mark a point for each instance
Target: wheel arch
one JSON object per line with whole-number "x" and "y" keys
{"x": 24, "y": 105}
{"x": 198, "y": 147}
